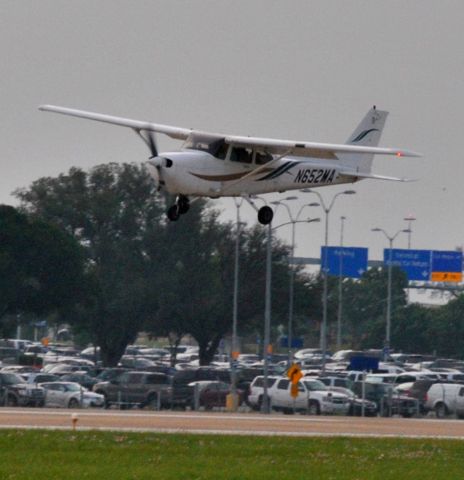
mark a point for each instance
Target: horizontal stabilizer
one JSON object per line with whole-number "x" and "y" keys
{"x": 376, "y": 177}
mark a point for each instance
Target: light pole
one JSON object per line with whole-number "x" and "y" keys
{"x": 267, "y": 320}
{"x": 293, "y": 221}
{"x": 235, "y": 352}
{"x": 326, "y": 208}
{"x": 265, "y": 407}
{"x": 390, "y": 239}
{"x": 340, "y": 286}
{"x": 267, "y": 315}
{"x": 410, "y": 218}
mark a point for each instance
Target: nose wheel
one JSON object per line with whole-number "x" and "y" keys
{"x": 181, "y": 207}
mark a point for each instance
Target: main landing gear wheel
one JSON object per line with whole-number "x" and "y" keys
{"x": 265, "y": 215}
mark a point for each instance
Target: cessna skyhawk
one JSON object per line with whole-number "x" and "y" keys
{"x": 216, "y": 165}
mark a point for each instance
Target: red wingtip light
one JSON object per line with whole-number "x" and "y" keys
{"x": 399, "y": 154}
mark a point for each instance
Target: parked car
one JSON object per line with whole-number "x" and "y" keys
{"x": 108, "y": 374}
{"x": 313, "y": 397}
{"x": 136, "y": 388}
{"x": 9, "y": 355}
{"x": 15, "y": 392}
{"x": 418, "y": 390}
{"x": 214, "y": 393}
{"x": 18, "y": 344}
{"x": 336, "y": 381}
{"x": 36, "y": 378}
{"x": 19, "y": 369}
{"x": 445, "y": 399}
{"x": 381, "y": 377}
{"x": 357, "y": 403}
{"x": 388, "y": 403}
{"x": 70, "y": 395}
{"x": 82, "y": 378}
{"x": 181, "y": 390}
{"x": 136, "y": 362}
{"x": 256, "y": 391}
{"x": 61, "y": 368}
{"x": 408, "y": 377}
{"x": 35, "y": 350}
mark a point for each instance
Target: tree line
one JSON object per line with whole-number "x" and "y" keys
{"x": 94, "y": 248}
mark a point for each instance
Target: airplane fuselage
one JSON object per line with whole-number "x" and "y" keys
{"x": 198, "y": 173}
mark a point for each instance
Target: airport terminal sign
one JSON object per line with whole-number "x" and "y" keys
{"x": 415, "y": 263}
{"x": 427, "y": 265}
{"x": 349, "y": 262}
{"x": 446, "y": 266}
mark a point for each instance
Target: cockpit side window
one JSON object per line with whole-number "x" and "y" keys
{"x": 262, "y": 158}
{"x": 242, "y": 155}
{"x": 222, "y": 151}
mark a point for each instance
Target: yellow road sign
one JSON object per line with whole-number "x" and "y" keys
{"x": 294, "y": 374}
{"x": 294, "y": 390}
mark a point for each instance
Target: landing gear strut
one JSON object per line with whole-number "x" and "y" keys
{"x": 181, "y": 207}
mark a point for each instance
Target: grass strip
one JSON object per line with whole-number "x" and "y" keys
{"x": 111, "y": 455}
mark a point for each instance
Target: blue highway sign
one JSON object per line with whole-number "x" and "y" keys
{"x": 350, "y": 262}
{"x": 446, "y": 266}
{"x": 415, "y": 263}
{"x": 427, "y": 265}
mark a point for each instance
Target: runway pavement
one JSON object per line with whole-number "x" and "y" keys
{"x": 230, "y": 423}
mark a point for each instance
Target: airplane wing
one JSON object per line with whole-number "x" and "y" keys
{"x": 173, "y": 132}
{"x": 269, "y": 145}
{"x": 312, "y": 149}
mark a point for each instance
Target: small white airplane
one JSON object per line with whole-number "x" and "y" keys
{"x": 215, "y": 165}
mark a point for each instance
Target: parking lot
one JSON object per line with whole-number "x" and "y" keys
{"x": 148, "y": 379}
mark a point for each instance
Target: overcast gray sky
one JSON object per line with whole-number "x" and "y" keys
{"x": 301, "y": 70}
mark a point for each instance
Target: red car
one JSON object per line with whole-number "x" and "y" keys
{"x": 214, "y": 393}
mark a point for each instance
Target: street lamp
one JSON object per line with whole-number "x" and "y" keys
{"x": 340, "y": 286}
{"x": 293, "y": 221}
{"x": 390, "y": 238}
{"x": 326, "y": 208}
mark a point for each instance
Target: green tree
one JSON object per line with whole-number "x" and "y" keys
{"x": 108, "y": 210}
{"x": 365, "y": 305}
{"x": 412, "y": 328}
{"x": 446, "y": 330}
{"x": 41, "y": 267}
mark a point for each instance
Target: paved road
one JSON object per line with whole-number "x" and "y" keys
{"x": 229, "y": 423}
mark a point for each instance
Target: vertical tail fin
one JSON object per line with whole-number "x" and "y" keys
{"x": 367, "y": 134}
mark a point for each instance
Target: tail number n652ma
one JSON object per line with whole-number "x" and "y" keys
{"x": 315, "y": 175}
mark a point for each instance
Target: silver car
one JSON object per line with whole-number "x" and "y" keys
{"x": 70, "y": 395}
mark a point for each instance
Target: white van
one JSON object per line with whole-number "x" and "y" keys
{"x": 445, "y": 399}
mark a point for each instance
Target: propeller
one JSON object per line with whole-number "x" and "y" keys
{"x": 155, "y": 163}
